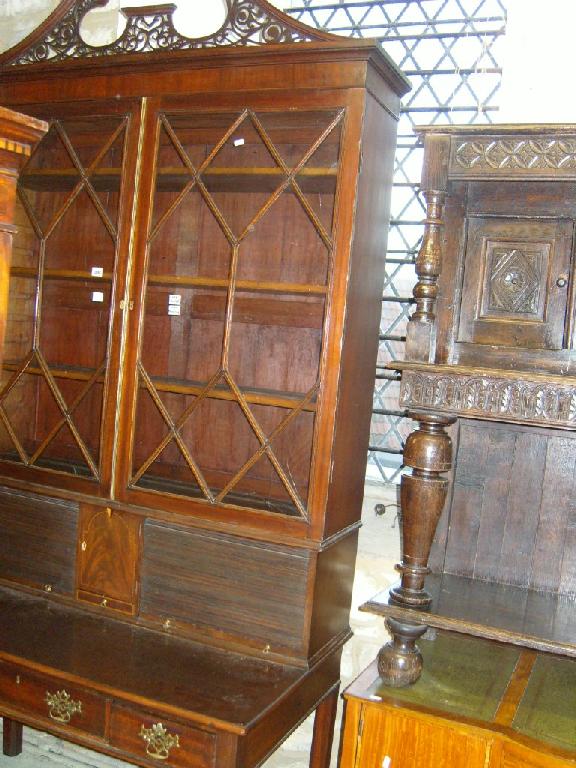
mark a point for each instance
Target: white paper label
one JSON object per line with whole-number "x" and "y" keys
{"x": 238, "y": 142}
{"x": 174, "y": 309}
{"x": 174, "y": 298}
{"x": 97, "y": 271}
{"x": 97, "y": 296}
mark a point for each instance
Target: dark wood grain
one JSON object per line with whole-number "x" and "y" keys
{"x": 28, "y": 691}
{"x": 150, "y": 664}
{"x": 510, "y": 514}
{"x": 37, "y": 541}
{"x": 109, "y": 544}
{"x": 11, "y": 737}
{"x": 232, "y": 434}
{"x": 491, "y": 339}
{"x": 227, "y": 587}
{"x": 196, "y": 748}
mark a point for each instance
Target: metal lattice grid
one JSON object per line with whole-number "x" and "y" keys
{"x": 451, "y": 52}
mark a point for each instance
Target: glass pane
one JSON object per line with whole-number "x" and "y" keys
{"x": 60, "y": 294}
{"x": 183, "y": 333}
{"x": 275, "y": 342}
{"x": 74, "y": 325}
{"x": 240, "y": 250}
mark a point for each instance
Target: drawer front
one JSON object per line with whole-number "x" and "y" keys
{"x": 52, "y": 699}
{"x": 518, "y": 756}
{"x": 146, "y": 735}
{"x": 402, "y": 739}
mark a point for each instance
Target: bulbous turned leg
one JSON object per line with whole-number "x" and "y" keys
{"x": 400, "y": 661}
{"x": 422, "y": 495}
{"x": 428, "y": 452}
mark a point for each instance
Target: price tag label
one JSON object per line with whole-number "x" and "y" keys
{"x": 97, "y": 296}
{"x": 97, "y": 271}
{"x": 174, "y": 303}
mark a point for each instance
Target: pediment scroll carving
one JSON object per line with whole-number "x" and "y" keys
{"x": 151, "y": 29}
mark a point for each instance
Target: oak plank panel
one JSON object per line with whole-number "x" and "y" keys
{"x": 554, "y": 543}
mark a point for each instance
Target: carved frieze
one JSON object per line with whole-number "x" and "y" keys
{"x": 148, "y": 29}
{"x": 507, "y": 399}
{"x": 517, "y": 155}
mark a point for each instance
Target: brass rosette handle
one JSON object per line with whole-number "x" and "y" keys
{"x": 158, "y": 741}
{"x": 61, "y": 706}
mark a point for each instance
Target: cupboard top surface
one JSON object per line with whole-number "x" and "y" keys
{"x": 524, "y": 695}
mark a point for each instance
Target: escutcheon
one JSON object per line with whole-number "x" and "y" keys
{"x": 158, "y": 741}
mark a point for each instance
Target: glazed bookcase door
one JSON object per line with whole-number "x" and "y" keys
{"x": 238, "y": 271}
{"x": 60, "y": 369}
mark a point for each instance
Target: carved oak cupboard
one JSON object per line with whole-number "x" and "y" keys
{"x": 490, "y": 350}
{"x": 186, "y": 390}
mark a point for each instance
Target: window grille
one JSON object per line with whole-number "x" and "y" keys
{"x": 451, "y": 50}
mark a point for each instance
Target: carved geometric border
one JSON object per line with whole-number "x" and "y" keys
{"x": 520, "y": 156}
{"x": 491, "y": 397}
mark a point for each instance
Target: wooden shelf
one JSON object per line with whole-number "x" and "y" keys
{"x": 61, "y": 274}
{"x": 253, "y": 500}
{"x": 59, "y": 372}
{"x": 181, "y": 387}
{"x": 260, "y": 310}
{"x": 182, "y": 281}
{"x": 254, "y": 396}
{"x": 545, "y": 621}
{"x": 173, "y": 179}
{"x": 255, "y": 286}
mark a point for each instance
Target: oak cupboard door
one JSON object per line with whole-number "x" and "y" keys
{"x": 516, "y": 282}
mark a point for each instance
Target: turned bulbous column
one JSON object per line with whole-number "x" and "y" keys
{"x": 428, "y": 452}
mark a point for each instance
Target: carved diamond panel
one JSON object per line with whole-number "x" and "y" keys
{"x": 515, "y": 280}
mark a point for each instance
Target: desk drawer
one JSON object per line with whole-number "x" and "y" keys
{"x": 52, "y": 699}
{"x": 162, "y": 741}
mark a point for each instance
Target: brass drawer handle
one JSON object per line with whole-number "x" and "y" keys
{"x": 61, "y": 707}
{"x": 158, "y": 741}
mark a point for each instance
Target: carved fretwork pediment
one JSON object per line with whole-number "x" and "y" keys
{"x": 151, "y": 28}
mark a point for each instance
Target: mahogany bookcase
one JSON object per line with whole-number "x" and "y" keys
{"x": 186, "y": 391}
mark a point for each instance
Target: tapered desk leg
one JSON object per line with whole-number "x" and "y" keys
{"x": 428, "y": 451}
{"x": 324, "y": 721}
{"x": 12, "y": 737}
